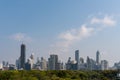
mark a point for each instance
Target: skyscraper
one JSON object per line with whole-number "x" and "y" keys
{"x": 22, "y": 56}
{"x": 98, "y": 57}
{"x": 77, "y": 59}
{"x": 53, "y": 60}
{"x": 77, "y": 56}
{"x": 43, "y": 64}
{"x": 104, "y": 65}
{"x": 32, "y": 60}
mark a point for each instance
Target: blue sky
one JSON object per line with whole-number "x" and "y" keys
{"x": 60, "y": 27}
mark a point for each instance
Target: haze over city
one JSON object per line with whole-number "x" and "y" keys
{"x": 60, "y": 27}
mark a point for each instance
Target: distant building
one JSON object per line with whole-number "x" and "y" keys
{"x": 12, "y": 67}
{"x": 43, "y": 64}
{"x": 28, "y": 65}
{"x": 18, "y": 64}
{"x": 37, "y": 65}
{"x": 60, "y": 66}
{"x": 52, "y": 62}
{"x": 77, "y": 56}
{"x": 32, "y": 60}
{"x": 22, "y": 56}
{"x": 82, "y": 65}
{"x": 5, "y": 64}
{"x": 71, "y": 64}
{"x": 104, "y": 65}
{"x": 98, "y": 57}
{"x": 91, "y": 64}
{"x": 116, "y": 66}
{"x": 81, "y": 60}
{"x": 68, "y": 64}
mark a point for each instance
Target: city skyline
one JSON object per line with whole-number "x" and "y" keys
{"x": 54, "y": 63}
{"x": 77, "y": 60}
{"x": 60, "y": 27}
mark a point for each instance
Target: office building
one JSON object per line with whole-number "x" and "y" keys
{"x": 77, "y": 56}
{"x": 91, "y": 64}
{"x": 77, "y": 59}
{"x": 81, "y": 60}
{"x": 43, "y": 64}
{"x": 28, "y": 65}
{"x": 32, "y": 60}
{"x": 12, "y": 67}
{"x": 71, "y": 64}
{"x": 5, "y": 64}
{"x": 23, "y": 56}
{"x": 97, "y": 57}
{"x": 104, "y": 65}
{"x": 52, "y": 62}
{"x": 18, "y": 63}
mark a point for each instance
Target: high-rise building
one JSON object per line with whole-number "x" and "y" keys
{"x": 71, "y": 64}
{"x": 22, "y": 56}
{"x": 98, "y": 57}
{"x": 12, "y": 67}
{"x": 53, "y": 60}
{"x": 32, "y": 60}
{"x": 77, "y": 59}
{"x": 37, "y": 65}
{"x": 104, "y": 65}
{"x": 91, "y": 64}
{"x": 88, "y": 63}
{"x": 77, "y": 56}
{"x": 68, "y": 64}
{"x": 43, "y": 64}
{"x": 116, "y": 66}
{"x": 82, "y": 65}
{"x": 18, "y": 63}
{"x": 28, "y": 65}
{"x": 81, "y": 60}
{"x": 59, "y": 66}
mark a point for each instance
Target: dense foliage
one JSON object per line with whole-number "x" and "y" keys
{"x": 58, "y": 75}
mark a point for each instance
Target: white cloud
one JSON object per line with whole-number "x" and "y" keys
{"x": 66, "y": 39}
{"x": 106, "y": 21}
{"x": 70, "y": 37}
{"x": 76, "y": 34}
{"x": 21, "y": 37}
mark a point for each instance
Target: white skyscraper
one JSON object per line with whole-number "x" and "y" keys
{"x": 32, "y": 60}
{"x": 43, "y": 64}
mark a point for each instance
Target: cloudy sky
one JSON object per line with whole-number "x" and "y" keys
{"x": 60, "y": 27}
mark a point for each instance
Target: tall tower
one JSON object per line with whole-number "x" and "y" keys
{"x": 53, "y": 61}
{"x": 77, "y": 56}
{"x": 77, "y": 59}
{"x": 97, "y": 57}
{"x": 22, "y": 56}
{"x": 32, "y": 60}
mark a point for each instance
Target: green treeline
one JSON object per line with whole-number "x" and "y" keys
{"x": 58, "y": 75}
